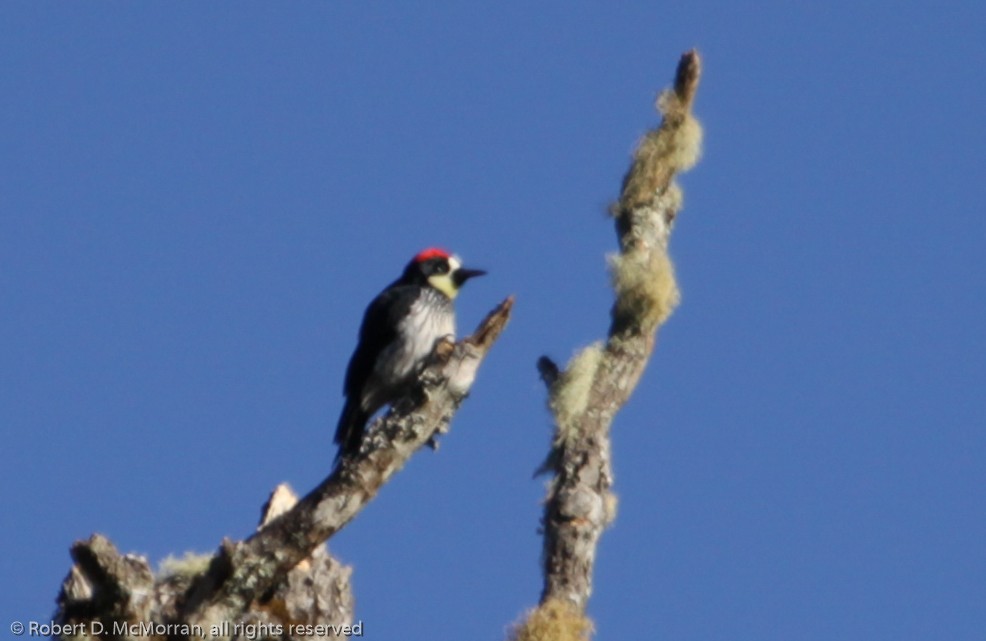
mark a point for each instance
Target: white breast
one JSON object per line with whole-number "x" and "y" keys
{"x": 430, "y": 318}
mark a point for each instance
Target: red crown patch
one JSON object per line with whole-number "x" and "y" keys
{"x": 431, "y": 252}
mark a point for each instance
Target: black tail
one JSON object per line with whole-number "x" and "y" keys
{"x": 349, "y": 432}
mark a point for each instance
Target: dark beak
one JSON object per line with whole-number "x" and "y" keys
{"x": 462, "y": 274}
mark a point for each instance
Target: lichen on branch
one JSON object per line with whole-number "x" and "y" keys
{"x": 585, "y": 396}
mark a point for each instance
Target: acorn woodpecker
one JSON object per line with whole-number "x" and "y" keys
{"x": 398, "y": 334}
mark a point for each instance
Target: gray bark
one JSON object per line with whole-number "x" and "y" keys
{"x": 282, "y": 575}
{"x": 586, "y": 396}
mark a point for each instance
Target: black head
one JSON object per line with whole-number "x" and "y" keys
{"x": 439, "y": 269}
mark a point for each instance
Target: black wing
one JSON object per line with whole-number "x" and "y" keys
{"x": 378, "y": 330}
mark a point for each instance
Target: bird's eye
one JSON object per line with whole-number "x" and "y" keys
{"x": 441, "y": 268}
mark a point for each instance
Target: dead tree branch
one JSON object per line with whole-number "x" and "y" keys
{"x": 245, "y": 570}
{"x": 587, "y": 394}
{"x": 250, "y": 582}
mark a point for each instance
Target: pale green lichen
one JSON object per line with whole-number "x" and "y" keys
{"x": 570, "y": 393}
{"x": 675, "y": 146}
{"x": 553, "y": 620}
{"x": 646, "y": 289}
{"x": 684, "y": 138}
{"x": 189, "y": 564}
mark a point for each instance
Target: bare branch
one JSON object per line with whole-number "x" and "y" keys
{"x": 282, "y": 574}
{"x": 103, "y": 584}
{"x": 244, "y": 571}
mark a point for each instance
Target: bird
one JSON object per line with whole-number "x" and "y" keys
{"x": 398, "y": 333}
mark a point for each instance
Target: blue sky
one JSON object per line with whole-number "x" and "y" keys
{"x": 197, "y": 200}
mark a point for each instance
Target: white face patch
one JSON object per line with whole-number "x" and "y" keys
{"x": 444, "y": 282}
